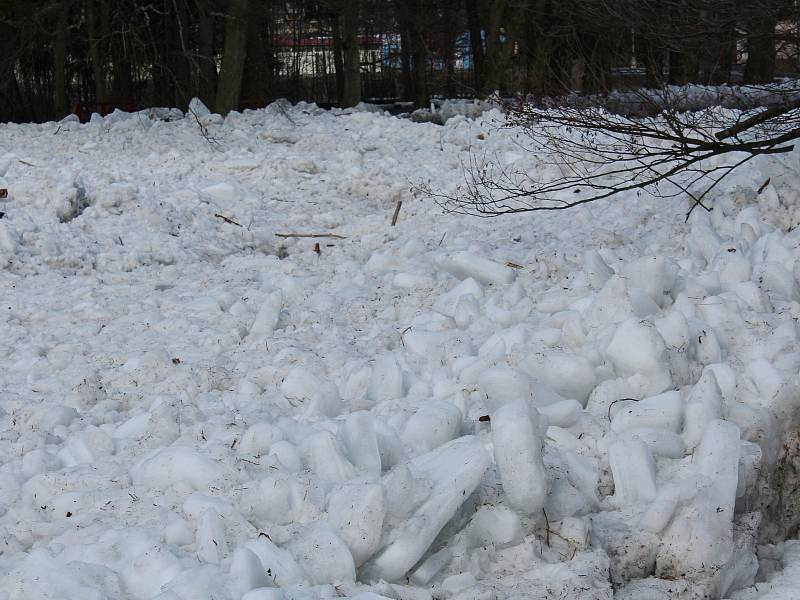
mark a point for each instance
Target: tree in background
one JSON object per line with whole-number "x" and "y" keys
{"x": 106, "y": 54}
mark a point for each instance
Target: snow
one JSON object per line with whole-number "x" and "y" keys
{"x": 582, "y": 404}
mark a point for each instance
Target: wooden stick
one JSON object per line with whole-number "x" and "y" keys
{"x": 311, "y": 235}
{"x": 763, "y": 185}
{"x": 227, "y": 219}
{"x": 396, "y": 212}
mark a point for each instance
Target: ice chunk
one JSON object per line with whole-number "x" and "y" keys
{"x": 386, "y": 381}
{"x": 246, "y": 572}
{"x": 660, "y": 441}
{"x": 699, "y": 541}
{"x": 447, "y": 303}
{"x": 286, "y": 455}
{"x": 637, "y": 347}
{"x": 279, "y": 564}
{"x": 361, "y": 442}
{"x": 496, "y": 526}
{"x": 503, "y": 384}
{"x": 703, "y": 406}
{"x": 454, "y": 470}
{"x": 633, "y": 470}
{"x": 663, "y": 411}
{"x": 267, "y": 318}
{"x": 325, "y": 557}
{"x": 164, "y": 467}
{"x": 259, "y": 438}
{"x": 652, "y": 274}
{"x": 222, "y": 193}
{"x": 435, "y": 423}
{"x": 323, "y": 455}
{"x": 271, "y": 500}
{"x": 210, "y": 542}
{"x": 569, "y": 375}
{"x": 466, "y": 264}
{"x": 669, "y": 498}
{"x": 518, "y": 454}
{"x": 264, "y": 593}
{"x": 317, "y": 395}
{"x": 356, "y": 512}
{"x": 597, "y": 271}
{"x": 564, "y": 413}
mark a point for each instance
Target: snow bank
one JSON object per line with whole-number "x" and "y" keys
{"x": 580, "y": 404}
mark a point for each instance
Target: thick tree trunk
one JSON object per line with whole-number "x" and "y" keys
{"x": 351, "y": 94}
{"x": 760, "y": 67}
{"x": 233, "y": 57}
{"x": 503, "y": 23}
{"x": 257, "y": 68}
{"x": 60, "y": 63}
{"x": 12, "y": 105}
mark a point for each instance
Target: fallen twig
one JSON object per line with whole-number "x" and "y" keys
{"x": 764, "y": 185}
{"x": 227, "y": 219}
{"x": 619, "y": 400}
{"x": 311, "y": 235}
{"x": 396, "y": 212}
{"x": 514, "y": 265}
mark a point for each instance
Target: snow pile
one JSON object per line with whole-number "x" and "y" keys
{"x": 578, "y": 405}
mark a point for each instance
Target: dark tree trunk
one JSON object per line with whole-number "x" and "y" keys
{"x": 207, "y": 50}
{"x": 406, "y": 46}
{"x": 760, "y": 67}
{"x": 476, "y": 42}
{"x": 233, "y": 58}
{"x": 419, "y": 53}
{"x": 257, "y": 71}
{"x": 60, "y": 62}
{"x": 351, "y": 94}
{"x": 338, "y": 57}
{"x": 97, "y": 23}
{"x": 180, "y": 53}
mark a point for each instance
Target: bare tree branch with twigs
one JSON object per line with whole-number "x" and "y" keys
{"x": 584, "y": 152}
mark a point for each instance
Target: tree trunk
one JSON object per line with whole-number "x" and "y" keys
{"x": 207, "y": 64}
{"x": 338, "y": 57}
{"x": 760, "y": 67}
{"x": 233, "y": 57}
{"x": 503, "y": 23}
{"x": 97, "y": 45}
{"x": 180, "y": 53}
{"x": 476, "y": 43}
{"x": 60, "y": 63}
{"x": 419, "y": 53}
{"x": 258, "y": 64}
{"x": 351, "y": 94}
{"x": 406, "y": 45}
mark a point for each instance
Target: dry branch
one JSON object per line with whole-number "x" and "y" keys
{"x": 227, "y": 219}
{"x": 311, "y": 235}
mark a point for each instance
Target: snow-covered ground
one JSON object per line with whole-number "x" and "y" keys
{"x": 589, "y": 404}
